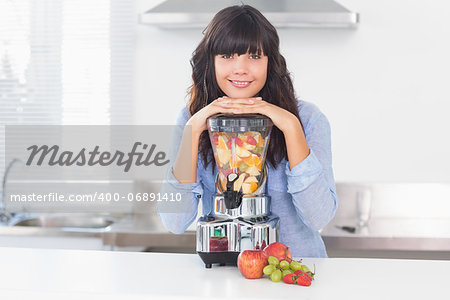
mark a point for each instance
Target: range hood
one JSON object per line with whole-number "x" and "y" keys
{"x": 281, "y": 13}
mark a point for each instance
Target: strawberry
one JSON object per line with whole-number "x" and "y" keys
{"x": 263, "y": 244}
{"x": 237, "y": 141}
{"x": 303, "y": 280}
{"x": 215, "y": 139}
{"x": 307, "y": 273}
{"x": 251, "y": 140}
{"x": 290, "y": 278}
{"x": 310, "y": 274}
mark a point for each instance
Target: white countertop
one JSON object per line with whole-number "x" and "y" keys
{"x": 87, "y": 274}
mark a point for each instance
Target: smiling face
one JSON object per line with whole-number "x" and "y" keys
{"x": 241, "y": 76}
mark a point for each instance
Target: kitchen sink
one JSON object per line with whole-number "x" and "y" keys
{"x": 69, "y": 221}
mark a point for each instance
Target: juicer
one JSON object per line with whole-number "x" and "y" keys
{"x": 241, "y": 218}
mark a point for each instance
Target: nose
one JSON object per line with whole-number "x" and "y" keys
{"x": 240, "y": 65}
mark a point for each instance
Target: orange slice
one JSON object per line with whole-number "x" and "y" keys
{"x": 253, "y": 160}
{"x": 259, "y": 164}
{"x": 222, "y": 143}
{"x": 249, "y": 187}
{"x": 260, "y": 142}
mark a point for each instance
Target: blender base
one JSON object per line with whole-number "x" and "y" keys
{"x": 219, "y": 257}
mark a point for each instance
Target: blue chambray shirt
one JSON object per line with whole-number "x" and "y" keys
{"x": 304, "y": 198}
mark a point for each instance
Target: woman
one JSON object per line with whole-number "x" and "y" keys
{"x": 237, "y": 68}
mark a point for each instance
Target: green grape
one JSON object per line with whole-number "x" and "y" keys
{"x": 288, "y": 271}
{"x": 276, "y": 275}
{"x": 269, "y": 269}
{"x": 305, "y": 269}
{"x": 284, "y": 265}
{"x": 295, "y": 265}
{"x": 273, "y": 260}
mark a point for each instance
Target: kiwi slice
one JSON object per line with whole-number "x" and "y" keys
{"x": 243, "y": 167}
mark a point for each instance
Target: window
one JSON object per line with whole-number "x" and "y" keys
{"x": 65, "y": 62}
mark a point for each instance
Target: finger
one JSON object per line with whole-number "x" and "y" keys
{"x": 241, "y": 98}
{"x": 236, "y": 102}
{"x": 232, "y": 105}
{"x": 224, "y": 103}
{"x": 246, "y": 101}
{"x": 255, "y": 105}
{"x": 242, "y": 109}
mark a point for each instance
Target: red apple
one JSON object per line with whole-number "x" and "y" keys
{"x": 279, "y": 250}
{"x": 251, "y": 263}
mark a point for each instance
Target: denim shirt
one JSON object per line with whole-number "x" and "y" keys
{"x": 304, "y": 198}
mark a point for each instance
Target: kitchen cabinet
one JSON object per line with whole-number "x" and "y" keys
{"x": 412, "y": 238}
{"x": 50, "y": 238}
{"x": 81, "y": 243}
{"x": 76, "y": 274}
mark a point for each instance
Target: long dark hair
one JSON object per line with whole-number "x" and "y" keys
{"x": 238, "y": 30}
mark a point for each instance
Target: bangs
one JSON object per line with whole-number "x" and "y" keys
{"x": 239, "y": 36}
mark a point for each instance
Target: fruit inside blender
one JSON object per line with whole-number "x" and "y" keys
{"x": 242, "y": 154}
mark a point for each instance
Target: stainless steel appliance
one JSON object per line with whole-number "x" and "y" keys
{"x": 242, "y": 217}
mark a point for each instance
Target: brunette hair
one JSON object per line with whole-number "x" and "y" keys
{"x": 238, "y": 30}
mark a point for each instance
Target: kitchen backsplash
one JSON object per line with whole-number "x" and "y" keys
{"x": 382, "y": 86}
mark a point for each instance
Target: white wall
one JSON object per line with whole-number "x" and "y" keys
{"x": 382, "y": 86}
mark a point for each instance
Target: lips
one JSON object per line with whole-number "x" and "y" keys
{"x": 240, "y": 84}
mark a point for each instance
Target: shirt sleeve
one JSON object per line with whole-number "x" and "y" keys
{"x": 177, "y": 215}
{"x": 311, "y": 182}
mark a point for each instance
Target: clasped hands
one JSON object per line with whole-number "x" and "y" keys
{"x": 280, "y": 117}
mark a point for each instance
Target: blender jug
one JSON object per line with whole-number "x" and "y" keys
{"x": 239, "y": 143}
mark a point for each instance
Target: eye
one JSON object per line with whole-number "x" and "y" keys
{"x": 255, "y": 56}
{"x": 226, "y": 56}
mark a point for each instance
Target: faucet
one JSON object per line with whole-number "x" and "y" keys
{"x": 5, "y": 216}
